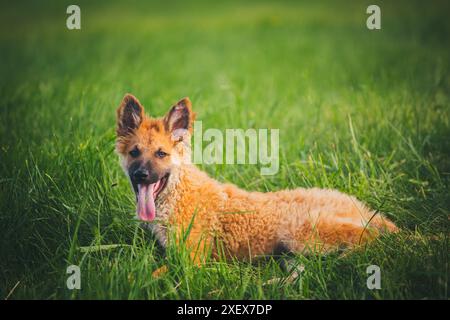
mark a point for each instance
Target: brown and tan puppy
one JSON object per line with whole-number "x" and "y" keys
{"x": 171, "y": 193}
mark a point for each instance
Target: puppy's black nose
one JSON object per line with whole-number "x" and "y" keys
{"x": 140, "y": 175}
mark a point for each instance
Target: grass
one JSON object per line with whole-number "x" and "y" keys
{"x": 365, "y": 112}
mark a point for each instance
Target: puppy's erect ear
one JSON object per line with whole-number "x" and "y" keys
{"x": 178, "y": 121}
{"x": 129, "y": 115}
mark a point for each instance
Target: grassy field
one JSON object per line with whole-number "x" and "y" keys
{"x": 365, "y": 112}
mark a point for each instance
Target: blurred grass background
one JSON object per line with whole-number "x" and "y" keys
{"x": 366, "y": 112}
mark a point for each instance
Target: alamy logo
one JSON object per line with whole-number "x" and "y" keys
{"x": 374, "y": 278}
{"x": 260, "y": 149}
{"x": 74, "y": 280}
{"x": 374, "y": 20}
{"x": 74, "y": 20}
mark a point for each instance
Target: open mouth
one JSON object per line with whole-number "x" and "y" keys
{"x": 146, "y": 197}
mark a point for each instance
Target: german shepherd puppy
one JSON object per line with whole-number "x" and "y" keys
{"x": 174, "y": 194}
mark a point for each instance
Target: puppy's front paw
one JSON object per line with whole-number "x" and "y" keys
{"x": 159, "y": 272}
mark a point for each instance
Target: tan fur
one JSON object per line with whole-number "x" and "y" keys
{"x": 248, "y": 224}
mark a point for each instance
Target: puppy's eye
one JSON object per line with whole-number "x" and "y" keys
{"x": 135, "y": 152}
{"x": 161, "y": 154}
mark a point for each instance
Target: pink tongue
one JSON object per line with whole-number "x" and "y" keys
{"x": 146, "y": 202}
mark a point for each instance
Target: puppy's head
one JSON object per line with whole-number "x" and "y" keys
{"x": 151, "y": 148}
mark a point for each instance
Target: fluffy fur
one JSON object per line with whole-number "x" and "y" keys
{"x": 245, "y": 224}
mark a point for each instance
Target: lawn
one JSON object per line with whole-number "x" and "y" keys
{"x": 365, "y": 112}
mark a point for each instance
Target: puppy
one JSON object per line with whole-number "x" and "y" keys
{"x": 175, "y": 195}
